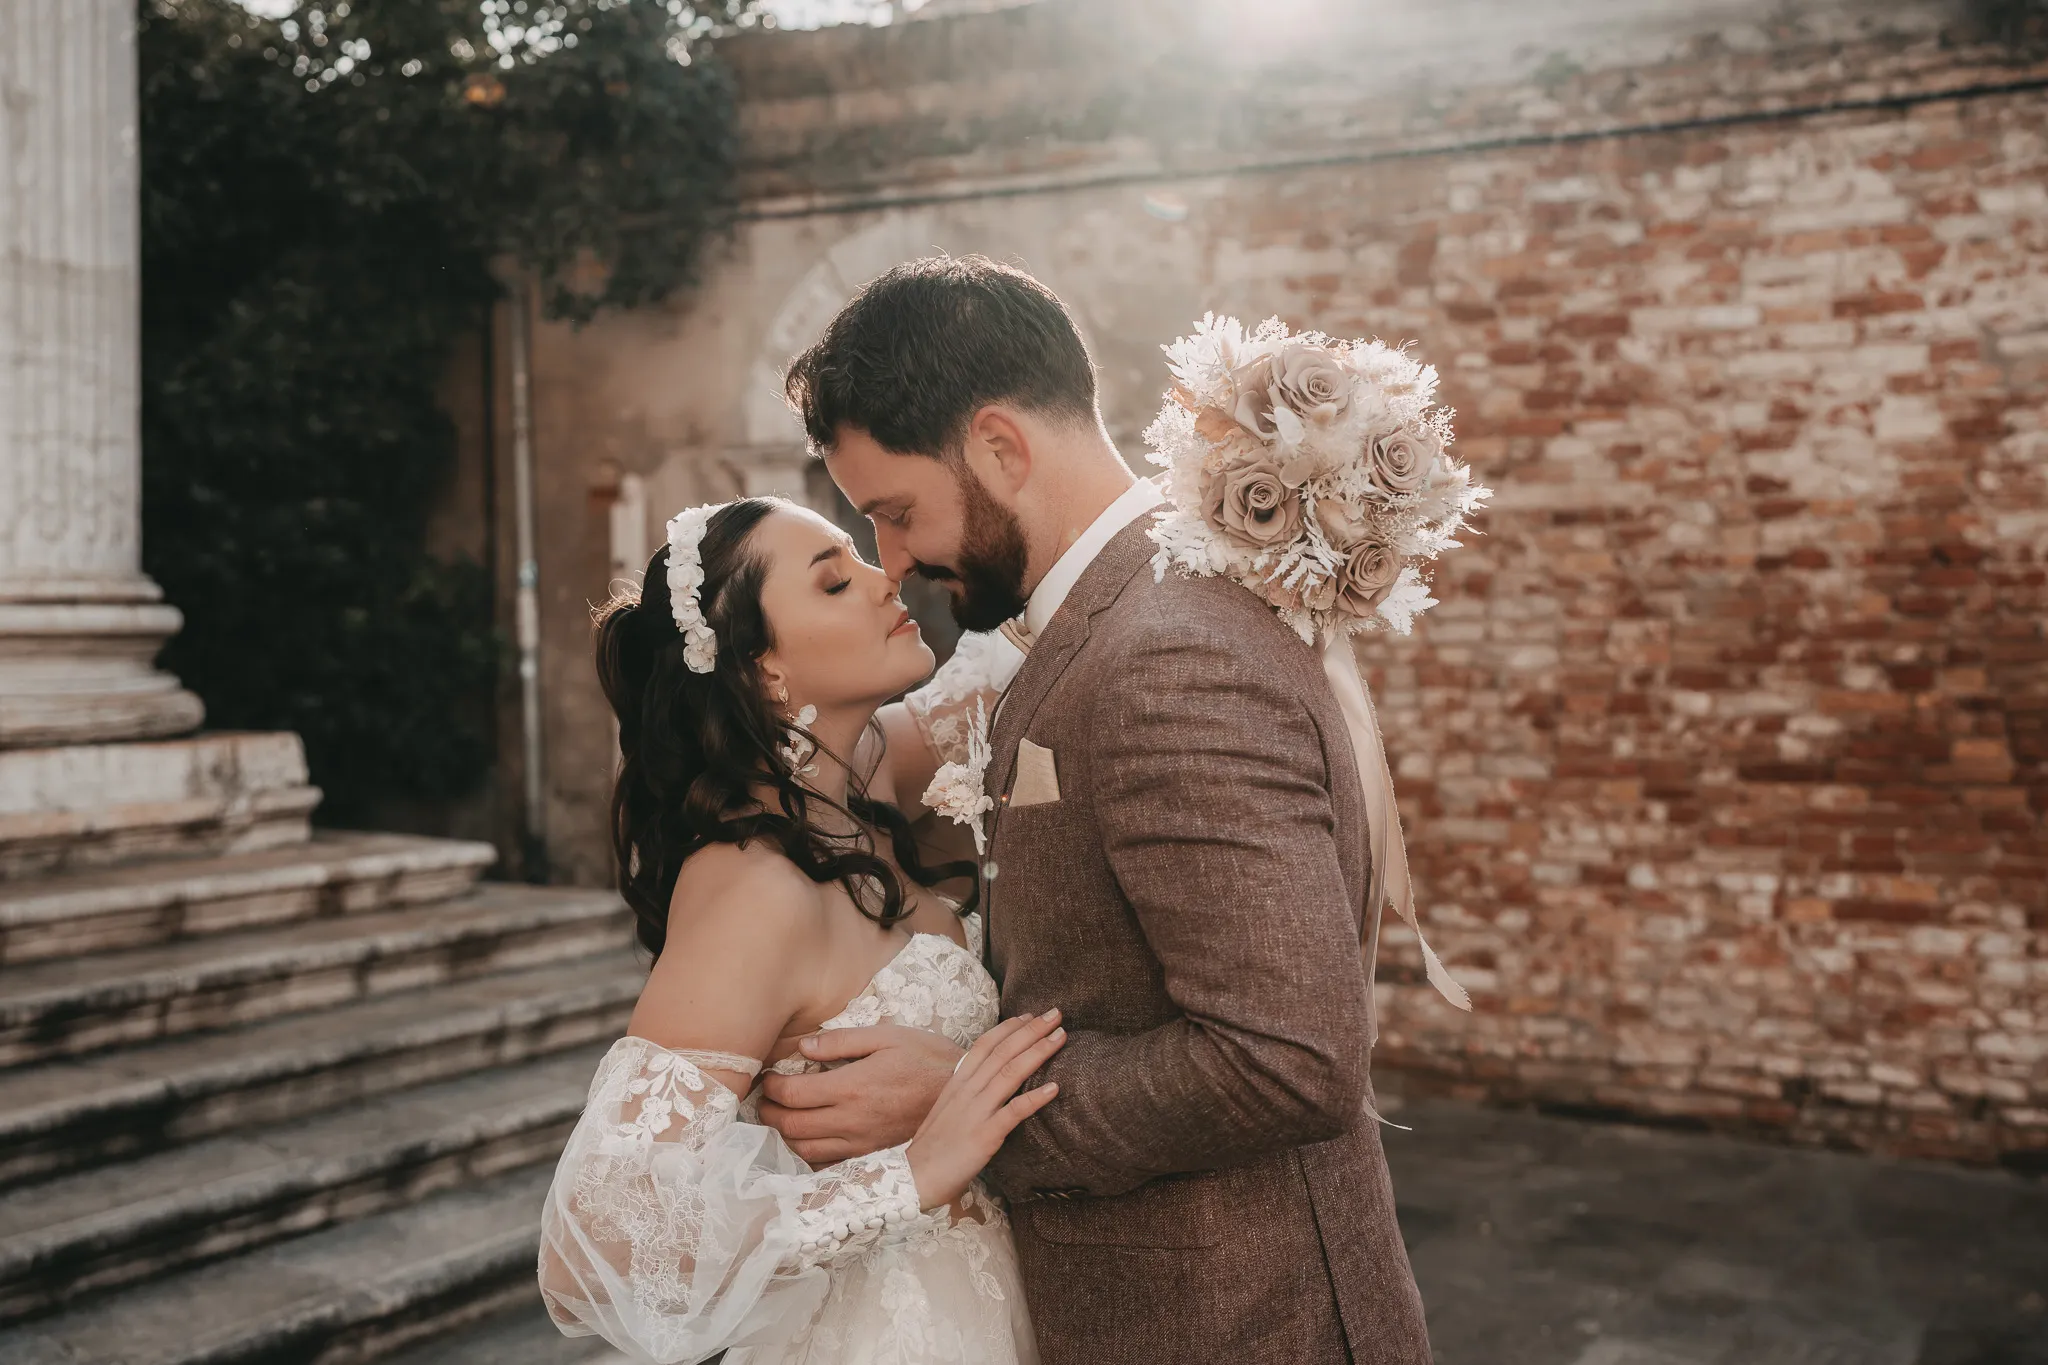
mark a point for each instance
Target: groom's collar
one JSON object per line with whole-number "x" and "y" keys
{"x": 1051, "y": 592}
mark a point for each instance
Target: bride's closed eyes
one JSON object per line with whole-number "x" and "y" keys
{"x": 830, "y": 558}
{"x": 835, "y": 558}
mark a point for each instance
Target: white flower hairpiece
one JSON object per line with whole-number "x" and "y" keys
{"x": 686, "y": 586}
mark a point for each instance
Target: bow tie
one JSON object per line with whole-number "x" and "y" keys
{"x": 1017, "y": 633}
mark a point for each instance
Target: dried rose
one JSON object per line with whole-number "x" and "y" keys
{"x": 1343, "y": 524}
{"x": 1399, "y": 461}
{"x": 1225, "y": 436}
{"x": 1303, "y": 465}
{"x": 1366, "y": 578}
{"x": 1252, "y": 403}
{"x": 1313, "y": 382}
{"x": 1252, "y": 505}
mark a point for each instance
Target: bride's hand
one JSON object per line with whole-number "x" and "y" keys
{"x": 980, "y": 1105}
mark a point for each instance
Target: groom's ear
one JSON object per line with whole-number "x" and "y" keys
{"x": 999, "y": 449}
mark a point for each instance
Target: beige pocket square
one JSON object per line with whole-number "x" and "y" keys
{"x": 1038, "y": 779}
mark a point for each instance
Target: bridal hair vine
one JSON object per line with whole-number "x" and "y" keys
{"x": 1312, "y": 471}
{"x": 686, "y": 586}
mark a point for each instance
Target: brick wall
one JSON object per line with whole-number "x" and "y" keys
{"x": 1725, "y": 759}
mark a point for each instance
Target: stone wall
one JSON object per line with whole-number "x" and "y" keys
{"x": 1725, "y": 759}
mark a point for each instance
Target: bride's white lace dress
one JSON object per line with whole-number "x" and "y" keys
{"x": 679, "y": 1226}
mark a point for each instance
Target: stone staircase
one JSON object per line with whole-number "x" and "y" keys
{"x": 275, "y": 1096}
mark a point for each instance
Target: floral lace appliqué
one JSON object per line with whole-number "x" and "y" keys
{"x": 981, "y": 667}
{"x": 932, "y": 983}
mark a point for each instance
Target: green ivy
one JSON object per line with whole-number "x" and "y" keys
{"x": 323, "y": 197}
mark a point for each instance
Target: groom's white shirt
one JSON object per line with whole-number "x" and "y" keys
{"x": 1044, "y": 603}
{"x": 1045, "y": 600}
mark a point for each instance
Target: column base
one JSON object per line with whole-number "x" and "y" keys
{"x": 97, "y": 805}
{"x": 83, "y": 672}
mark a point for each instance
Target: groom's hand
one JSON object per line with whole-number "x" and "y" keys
{"x": 890, "y": 1078}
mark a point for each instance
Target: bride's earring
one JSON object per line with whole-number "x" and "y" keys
{"x": 800, "y": 748}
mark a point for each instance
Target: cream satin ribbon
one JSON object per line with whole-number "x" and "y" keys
{"x": 1389, "y": 880}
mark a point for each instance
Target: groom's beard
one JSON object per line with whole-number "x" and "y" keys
{"x": 988, "y": 587}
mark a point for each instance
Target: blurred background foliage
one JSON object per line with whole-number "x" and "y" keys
{"x": 325, "y": 193}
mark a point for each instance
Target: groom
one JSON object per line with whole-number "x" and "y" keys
{"x": 1176, "y": 861}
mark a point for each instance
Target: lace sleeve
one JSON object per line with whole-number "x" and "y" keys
{"x": 981, "y": 667}
{"x": 674, "y": 1231}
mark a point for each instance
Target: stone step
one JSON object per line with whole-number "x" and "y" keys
{"x": 518, "y": 1336}
{"x": 116, "y": 1225}
{"x": 75, "y": 1114}
{"x": 131, "y": 907}
{"x": 352, "y": 1292}
{"x": 94, "y": 805}
{"x": 79, "y": 1005}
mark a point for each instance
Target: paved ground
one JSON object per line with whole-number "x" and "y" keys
{"x": 1542, "y": 1241}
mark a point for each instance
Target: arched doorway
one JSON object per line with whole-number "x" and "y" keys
{"x": 775, "y": 457}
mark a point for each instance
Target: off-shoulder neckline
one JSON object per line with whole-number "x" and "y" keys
{"x": 837, "y": 1020}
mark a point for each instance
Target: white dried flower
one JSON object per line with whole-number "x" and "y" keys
{"x": 686, "y": 583}
{"x": 959, "y": 791}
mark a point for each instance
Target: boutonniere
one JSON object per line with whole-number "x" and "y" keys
{"x": 958, "y": 791}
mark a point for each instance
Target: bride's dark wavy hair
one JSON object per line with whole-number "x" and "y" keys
{"x": 699, "y": 750}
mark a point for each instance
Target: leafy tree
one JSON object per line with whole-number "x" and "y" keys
{"x": 323, "y": 196}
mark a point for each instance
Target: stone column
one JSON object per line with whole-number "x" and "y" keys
{"x": 80, "y": 625}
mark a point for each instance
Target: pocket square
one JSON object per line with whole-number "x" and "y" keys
{"x": 1038, "y": 778}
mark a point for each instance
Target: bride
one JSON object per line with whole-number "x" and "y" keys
{"x": 780, "y": 891}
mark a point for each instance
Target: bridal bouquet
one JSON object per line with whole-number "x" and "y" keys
{"x": 1314, "y": 472}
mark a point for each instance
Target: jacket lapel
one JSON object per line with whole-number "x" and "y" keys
{"x": 1100, "y": 584}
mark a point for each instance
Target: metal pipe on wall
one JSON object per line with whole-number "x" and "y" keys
{"x": 533, "y": 832}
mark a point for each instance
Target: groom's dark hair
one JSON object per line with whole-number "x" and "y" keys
{"x": 921, "y": 347}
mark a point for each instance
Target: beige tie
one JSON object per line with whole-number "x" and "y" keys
{"x": 1017, "y": 633}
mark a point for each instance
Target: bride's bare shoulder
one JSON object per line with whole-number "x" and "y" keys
{"x": 742, "y": 946}
{"x": 752, "y": 891}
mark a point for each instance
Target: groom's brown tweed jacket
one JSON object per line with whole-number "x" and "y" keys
{"x": 1208, "y": 1185}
